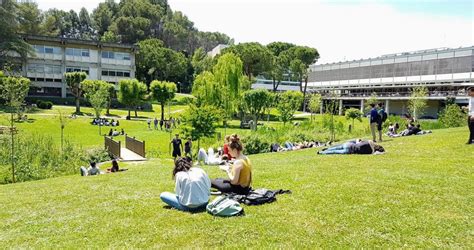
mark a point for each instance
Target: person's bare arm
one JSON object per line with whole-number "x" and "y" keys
{"x": 234, "y": 179}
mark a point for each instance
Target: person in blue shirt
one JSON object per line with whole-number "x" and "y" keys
{"x": 374, "y": 117}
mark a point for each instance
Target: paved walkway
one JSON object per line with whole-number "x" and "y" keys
{"x": 128, "y": 155}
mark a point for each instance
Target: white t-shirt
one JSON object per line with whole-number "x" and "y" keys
{"x": 193, "y": 187}
{"x": 471, "y": 106}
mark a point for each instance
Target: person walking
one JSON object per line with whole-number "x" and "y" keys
{"x": 149, "y": 123}
{"x": 161, "y": 124}
{"x": 177, "y": 146}
{"x": 382, "y": 117}
{"x": 373, "y": 121}
{"x": 155, "y": 122}
{"x": 470, "y": 118}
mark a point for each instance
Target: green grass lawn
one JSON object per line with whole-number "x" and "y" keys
{"x": 418, "y": 194}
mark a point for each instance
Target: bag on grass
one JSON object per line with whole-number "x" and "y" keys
{"x": 224, "y": 207}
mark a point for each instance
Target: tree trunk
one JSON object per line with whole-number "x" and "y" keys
{"x": 162, "y": 111}
{"x": 304, "y": 93}
{"x": 256, "y": 121}
{"x": 78, "y": 105}
{"x": 136, "y": 115}
{"x": 128, "y": 113}
{"x": 13, "y": 148}
{"x": 274, "y": 87}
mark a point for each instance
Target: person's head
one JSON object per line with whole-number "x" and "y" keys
{"x": 115, "y": 164}
{"x": 390, "y": 124}
{"x": 93, "y": 165}
{"x": 189, "y": 139}
{"x": 181, "y": 164}
{"x": 235, "y": 146}
{"x": 381, "y": 104}
{"x": 470, "y": 91}
{"x": 177, "y": 136}
{"x": 372, "y": 105}
{"x": 397, "y": 125}
{"x": 378, "y": 148}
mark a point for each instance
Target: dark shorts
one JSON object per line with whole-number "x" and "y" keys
{"x": 379, "y": 126}
{"x": 176, "y": 153}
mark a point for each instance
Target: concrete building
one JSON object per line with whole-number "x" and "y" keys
{"x": 446, "y": 72}
{"x": 217, "y": 50}
{"x": 110, "y": 62}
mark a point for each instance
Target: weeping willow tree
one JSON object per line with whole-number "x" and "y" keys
{"x": 223, "y": 86}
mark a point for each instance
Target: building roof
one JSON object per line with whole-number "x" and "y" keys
{"x": 63, "y": 40}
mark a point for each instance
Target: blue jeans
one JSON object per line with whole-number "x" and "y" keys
{"x": 338, "y": 149}
{"x": 172, "y": 200}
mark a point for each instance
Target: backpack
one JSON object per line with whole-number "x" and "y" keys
{"x": 258, "y": 197}
{"x": 384, "y": 115}
{"x": 224, "y": 207}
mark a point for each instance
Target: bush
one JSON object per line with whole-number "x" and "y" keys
{"x": 452, "y": 116}
{"x": 44, "y": 104}
{"x": 255, "y": 144}
{"x": 38, "y": 157}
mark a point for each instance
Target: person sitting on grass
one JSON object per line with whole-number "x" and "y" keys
{"x": 110, "y": 132}
{"x": 192, "y": 187}
{"x": 354, "y": 147}
{"x": 115, "y": 167}
{"x": 92, "y": 170}
{"x": 239, "y": 174}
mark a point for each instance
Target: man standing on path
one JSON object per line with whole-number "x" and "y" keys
{"x": 373, "y": 121}
{"x": 155, "y": 122}
{"x": 470, "y": 118}
{"x": 177, "y": 146}
{"x": 382, "y": 117}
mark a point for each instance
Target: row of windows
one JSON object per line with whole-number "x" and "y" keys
{"x": 116, "y": 55}
{"x": 44, "y": 68}
{"x": 430, "y": 67}
{"x": 77, "y": 69}
{"x": 115, "y": 73}
{"x": 46, "y": 49}
{"x": 39, "y": 79}
{"x": 77, "y": 52}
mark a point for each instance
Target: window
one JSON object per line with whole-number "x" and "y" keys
{"x": 119, "y": 73}
{"x": 111, "y": 73}
{"x": 108, "y": 54}
{"x": 126, "y": 74}
{"x": 48, "y": 50}
{"x": 69, "y": 52}
{"x": 77, "y": 52}
{"x": 85, "y": 53}
{"x": 77, "y": 69}
{"x": 105, "y": 72}
{"x": 116, "y": 73}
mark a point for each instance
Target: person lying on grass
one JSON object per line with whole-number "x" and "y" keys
{"x": 92, "y": 170}
{"x": 239, "y": 174}
{"x": 354, "y": 147}
{"x": 192, "y": 187}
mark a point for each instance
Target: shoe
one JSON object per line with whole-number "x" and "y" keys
{"x": 469, "y": 142}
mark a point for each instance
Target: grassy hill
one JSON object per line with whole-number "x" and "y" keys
{"x": 418, "y": 194}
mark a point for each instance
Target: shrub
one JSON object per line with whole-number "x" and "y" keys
{"x": 255, "y": 144}
{"x": 44, "y": 104}
{"x": 37, "y": 157}
{"x": 452, "y": 116}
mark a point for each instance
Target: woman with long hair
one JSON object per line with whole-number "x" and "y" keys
{"x": 192, "y": 187}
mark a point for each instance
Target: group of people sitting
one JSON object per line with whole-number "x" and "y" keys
{"x": 411, "y": 129}
{"x": 220, "y": 157}
{"x": 115, "y": 132}
{"x": 105, "y": 122}
{"x": 288, "y": 146}
{"x": 95, "y": 170}
{"x": 193, "y": 185}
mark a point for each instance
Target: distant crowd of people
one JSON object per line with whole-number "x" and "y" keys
{"x": 169, "y": 124}
{"x": 105, "y": 122}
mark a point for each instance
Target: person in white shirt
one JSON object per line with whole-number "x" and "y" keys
{"x": 470, "y": 119}
{"x": 192, "y": 187}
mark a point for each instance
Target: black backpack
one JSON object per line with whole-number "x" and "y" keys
{"x": 258, "y": 196}
{"x": 384, "y": 116}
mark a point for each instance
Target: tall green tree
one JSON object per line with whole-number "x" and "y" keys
{"x": 74, "y": 80}
{"x": 162, "y": 92}
{"x": 200, "y": 122}
{"x": 9, "y": 40}
{"x": 255, "y": 57}
{"x": 256, "y": 102}
{"x": 29, "y": 17}
{"x": 131, "y": 93}
{"x": 104, "y": 15}
{"x": 288, "y": 104}
{"x": 155, "y": 62}
{"x": 86, "y": 29}
{"x": 417, "y": 101}
{"x": 98, "y": 93}
{"x": 201, "y": 61}
{"x": 13, "y": 91}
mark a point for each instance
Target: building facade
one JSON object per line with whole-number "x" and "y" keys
{"x": 446, "y": 72}
{"x": 53, "y": 57}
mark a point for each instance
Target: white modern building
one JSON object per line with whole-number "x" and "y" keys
{"x": 446, "y": 72}
{"x": 55, "y": 56}
{"x": 217, "y": 50}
